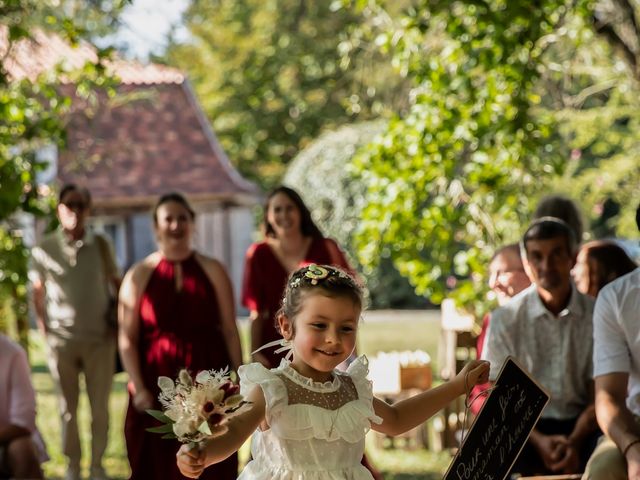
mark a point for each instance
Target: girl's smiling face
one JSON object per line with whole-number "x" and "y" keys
{"x": 323, "y": 334}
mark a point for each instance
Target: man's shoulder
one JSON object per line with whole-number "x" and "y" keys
{"x": 624, "y": 284}
{"x": 622, "y": 289}
{"x": 586, "y": 302}
{"x": 516, "y": 307}
{"x": 48, "y": 242}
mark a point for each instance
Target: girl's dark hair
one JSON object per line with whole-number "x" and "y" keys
{"x": 172, "y": 197}
{"x": 606, "y": 261}
{"x": 323, "y": 279}
{"x": 307, "y": 225}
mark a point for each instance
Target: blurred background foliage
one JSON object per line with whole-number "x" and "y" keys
{"x": 478, "y": 109}
{"x": 488, "y": 106}
{"x": 269, "y": 76}
{"x": 509, "y": 102}
{"x": 324, "y": 175}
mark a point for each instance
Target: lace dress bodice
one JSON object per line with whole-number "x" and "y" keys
{"x": 317, "y": 430}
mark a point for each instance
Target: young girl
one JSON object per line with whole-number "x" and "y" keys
{"x": 311, "y": 419}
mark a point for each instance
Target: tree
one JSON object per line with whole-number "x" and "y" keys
{"x": 593, "y": 95}
{"x": 33, "y": 112}
{"x": 270, "y": 78}
{"x": 323, "y": 175}
{"x": 618, "y": 22}
{"x": 457, "y": 175}
{"x": 509, "y": 101}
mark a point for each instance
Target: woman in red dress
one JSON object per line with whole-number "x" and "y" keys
{"x": 292, "y": 240}
{"x": 176, "y": 311}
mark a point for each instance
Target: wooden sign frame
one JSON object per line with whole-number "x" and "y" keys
{"x": 502, "y": 427}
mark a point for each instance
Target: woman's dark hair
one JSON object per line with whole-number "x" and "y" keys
{"x": 326, "y": 280}
{"x": 545, "y": 228}
{"x": 606, "y": 261}
{"x": 565, "y": 209}
{"x": 172, "y": 197}
{"x": 307, "y": 225}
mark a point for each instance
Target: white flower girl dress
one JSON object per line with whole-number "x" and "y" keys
{"x": 317, "y": 429}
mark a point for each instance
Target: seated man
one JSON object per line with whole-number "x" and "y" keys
{"x": 548, "y": 328}
{"x": 507, "y": 278}
{"x": 21, "y": 447}
{"x": 616, "y": 365}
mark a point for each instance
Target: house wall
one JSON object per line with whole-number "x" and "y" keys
{"x": 225, "y": 233}
{"x": 141, "y": 240}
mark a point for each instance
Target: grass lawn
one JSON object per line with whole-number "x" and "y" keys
{"x": 380, "y": 331}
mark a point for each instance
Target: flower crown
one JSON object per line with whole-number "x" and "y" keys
{"x": 313, "y": 274}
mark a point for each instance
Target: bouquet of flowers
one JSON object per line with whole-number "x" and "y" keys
{"x": 200, "y": 409}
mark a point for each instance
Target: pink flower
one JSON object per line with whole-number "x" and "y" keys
{"x": 215, "y": 419}
{"x": 229, "y": 390}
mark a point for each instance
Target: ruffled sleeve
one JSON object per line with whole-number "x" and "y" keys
{"x": 275, "y": 393}
{"x": 358, "y": 371}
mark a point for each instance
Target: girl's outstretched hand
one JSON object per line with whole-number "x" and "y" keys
{"x": 190, "y": 461}
{"x": 474, "y": 373}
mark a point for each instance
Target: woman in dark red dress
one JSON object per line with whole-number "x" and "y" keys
{"x": 292, "y": 240}
{"x": 176, "y": 311}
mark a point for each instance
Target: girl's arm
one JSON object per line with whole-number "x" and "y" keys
{"x": 407, "y": 414}
{"x": 193, "y": 461}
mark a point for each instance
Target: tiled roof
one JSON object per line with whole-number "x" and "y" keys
{"x": 30, "y": 58}
{"x": 150, "y": 139}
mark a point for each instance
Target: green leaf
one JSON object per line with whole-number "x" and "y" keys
{"x": 159, "y": 415}
{"x": 167, "y": 428}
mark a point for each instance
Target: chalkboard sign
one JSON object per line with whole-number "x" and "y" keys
{"x": 501, "y": 428}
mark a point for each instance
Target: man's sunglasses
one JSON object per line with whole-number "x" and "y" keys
{"x": 75, "y": 205}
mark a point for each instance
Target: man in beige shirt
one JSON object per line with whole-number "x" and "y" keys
{"x": 72, "y": 271}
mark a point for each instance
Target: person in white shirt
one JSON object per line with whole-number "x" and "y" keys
{"x": 21, "y": 446}
{"x": 548, "y": 328}
{"x": 616, "y": 360}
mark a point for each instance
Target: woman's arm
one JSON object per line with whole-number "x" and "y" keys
{"x": 252, "y": 298}
{"x": 407, "y": 414}
{"x": 257, "y": 322}
{"x": 226, "y": 302}
{"x": 129, "y": 328}
{"x": 192, "y": 462}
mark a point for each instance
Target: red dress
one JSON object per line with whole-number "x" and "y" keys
{"x": 265, "y": 280}
{"x": 177, "y": 330}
